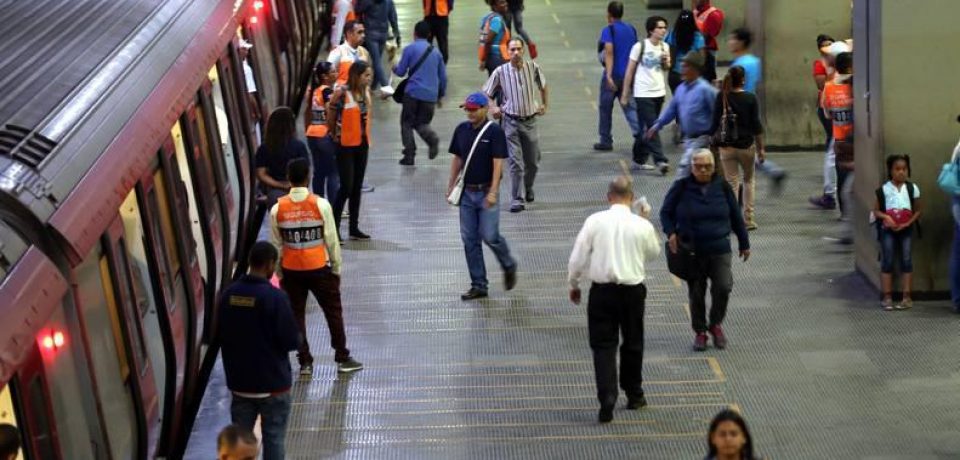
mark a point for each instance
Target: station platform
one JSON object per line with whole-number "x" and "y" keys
{"x": 815, "y": 366}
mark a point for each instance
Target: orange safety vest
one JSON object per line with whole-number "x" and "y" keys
{"x": 318, "y": 110}
{"x": 353, "y": 126}
{"x": 838, "y": 103}
{"x": 301, "y": 230}
{"x": 346, "y": 60}
{"x": 443, "y": 8}
{"x": 485, "y": 32}
{"x": 701, "y": 18}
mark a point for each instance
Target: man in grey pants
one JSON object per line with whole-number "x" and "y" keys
{"x": 515, "y": 82}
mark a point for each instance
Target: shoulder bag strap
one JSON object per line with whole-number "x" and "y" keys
{"x": 423, "y": 57}
{"x": 466, "y": 164}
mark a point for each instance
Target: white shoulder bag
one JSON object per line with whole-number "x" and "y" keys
{"x": 454, "y": 197}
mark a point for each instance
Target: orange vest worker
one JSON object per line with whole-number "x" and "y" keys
{"x": 343, "y": 56}
{"x": 354, "y": 123}
{"x": 442, "y": 8}
{"x": 318, "y": 110}
{"x": 485, "y": 33}
{"x": 301, "y": 231}
{"x": 838, "y": 103}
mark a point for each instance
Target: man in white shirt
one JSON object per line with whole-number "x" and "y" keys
{"x": 611, "y": 251}
{"x": 649, "y": 59}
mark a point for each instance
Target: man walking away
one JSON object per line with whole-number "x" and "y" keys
{"x": 616, "y": 41}
{"x": 692, "y": 104}
{"x": 422, "y": 93}
{"x": 303, "y": 230}
{"x": 516, "y": 81}
{"x": 479, "y": 147}
{"x": 494, "y": 36}
{"x": 378, "y": 17}
{"x": 648, "y": 60}
{"x": 437, "y": 14}
{"x": 257, "y": 332}
{"x": 611, "y": 251}
{"x": 710, "y": 22}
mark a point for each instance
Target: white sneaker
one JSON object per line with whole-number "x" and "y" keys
{"x": 386, "y": 91}
{"x": 647, "y": 167}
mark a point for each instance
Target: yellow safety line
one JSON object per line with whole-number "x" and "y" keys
{"x": 715, "y": 367}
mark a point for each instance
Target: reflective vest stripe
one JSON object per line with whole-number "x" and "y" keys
{"x": 301, "y": 229}
{"x": 351, "y": 130}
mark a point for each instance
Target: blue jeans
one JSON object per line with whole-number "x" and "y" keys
{"x": 889, "y": 241}
{"x": 607, "y": 99}
{"x": 376, "y": 45}
{"x": 274, "y": 412}
{"x": 326, "y": 176}
{"x": 648, "y": 109}
{"x": 478, "y": 223}
{"x": 955, "y": 256}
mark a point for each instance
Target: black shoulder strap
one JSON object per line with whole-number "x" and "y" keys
{"x": 423, "y": 57}
{"x": 910, "y": 193}
{"x": 881, "y": 199}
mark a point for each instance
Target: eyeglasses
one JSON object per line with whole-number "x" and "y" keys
{"x": 703, "y": 166}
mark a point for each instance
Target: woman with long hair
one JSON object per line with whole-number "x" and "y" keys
{"x": 352, "y": 106}
{"x": 280, "y": 145}
{"x": 326, "y": 177}
{"x": 729, "y": 438}
{"x": 739, "y": 134}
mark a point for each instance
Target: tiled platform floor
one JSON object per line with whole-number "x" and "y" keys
{"x": 816, "y": 367}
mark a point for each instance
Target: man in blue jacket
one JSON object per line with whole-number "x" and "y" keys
{"x": 423, "y": 91}
{"x": 257, "y": 332}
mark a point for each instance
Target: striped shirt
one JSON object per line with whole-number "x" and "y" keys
{"x": 520, "y": 88}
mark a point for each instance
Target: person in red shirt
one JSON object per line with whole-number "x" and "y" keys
{"x": 837, "y": 102}
{"x": 710, "y": 22}
{"x": 823, "y": 71}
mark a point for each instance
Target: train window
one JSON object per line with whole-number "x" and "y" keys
{"x": 158, "y": 195}
{"x": 68, "y": 393}
{"x": 181, "y": 152}
{"x": 8, "y": 414}
{"x": 98, "y": 311}
{"x": 128, "y": 290}
{"x": 42, "y": 439}
{"x": 220, "y": 110}
{"x": 141, "y": 283}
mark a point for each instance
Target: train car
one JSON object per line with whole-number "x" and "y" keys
{"x": 127, "y": 199}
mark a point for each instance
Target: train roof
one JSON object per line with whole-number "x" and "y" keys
{"x": 82, "y": 79}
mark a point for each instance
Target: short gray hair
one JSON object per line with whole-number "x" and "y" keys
{"x": 622, "y": 187}
{"x": 706, "y": 153}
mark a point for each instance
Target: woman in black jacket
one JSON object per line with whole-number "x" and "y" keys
{"x": 739, "y": 134}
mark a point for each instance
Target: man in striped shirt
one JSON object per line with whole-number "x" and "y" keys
{"x": 523, "y": 92}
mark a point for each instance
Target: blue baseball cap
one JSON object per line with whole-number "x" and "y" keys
{"x": 475, "y": 101}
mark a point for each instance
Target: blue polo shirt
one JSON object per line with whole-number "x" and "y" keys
{"x": 429, "y": 83}
{"x": 492, "y": 145}
{"x": 257, "y": 332}
{"x": 623, "y": 39}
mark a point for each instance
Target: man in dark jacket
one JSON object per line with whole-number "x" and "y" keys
{"x": 257, "y": 332}
{"x": 699, "y": 213}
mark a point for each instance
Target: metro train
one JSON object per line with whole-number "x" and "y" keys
{"x": 127, "y": 202}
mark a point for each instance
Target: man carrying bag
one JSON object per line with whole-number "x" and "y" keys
{"x": 420, "y": 92}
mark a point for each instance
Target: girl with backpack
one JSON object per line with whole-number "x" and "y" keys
{"x": 897, "y": 212}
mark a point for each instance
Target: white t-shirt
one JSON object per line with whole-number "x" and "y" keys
{"x": 898, "y": 198}
{"x": 649, "y": 81}
{"x": 248, "y": 76}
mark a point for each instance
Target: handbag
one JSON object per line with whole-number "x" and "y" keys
{"x": 454, "y": 197}
{"x": 949, "y": 179}
{"x": 728, "y": 132}
{"x": 683, "y": 263}
{"x": 401, "y": 88}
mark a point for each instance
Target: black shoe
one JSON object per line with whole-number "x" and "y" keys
{"x": 358, "y": 235}
{"x": 510, "y": 278}
{"x": 434, "y": 150}
{"x": 606, "y": 415}
{"x": 529, "y": 195}
{"x": 348, "y": 366}
{"x": 517, "y": 208}
{"x": 602, "y": 147}
{"x": 406, "y": 160}
{"x": 473, "y": 293}
{"x": 636, "y": 403}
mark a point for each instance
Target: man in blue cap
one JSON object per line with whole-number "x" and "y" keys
{"x": 479, "y": 147}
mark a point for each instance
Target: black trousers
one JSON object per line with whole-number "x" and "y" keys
{"x": 440, "y": 28}
{"x": 416, "y": 115}
{"x": 614, "y": 310}
{"x": 352, "y": 163}
{"x": 710, "y": 67}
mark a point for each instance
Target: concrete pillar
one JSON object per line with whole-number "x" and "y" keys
{"x": 906, "y": 102}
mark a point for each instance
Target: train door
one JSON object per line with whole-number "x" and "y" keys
{"x": 114, "y": 376}
{"x": 130, "y": 336}
{"x": 171, "y": 290}
{"x": 226, "y": 117}
{"x": 207, "y": 131}
{"x": 37, "y": 431}
{"x": 132, "y": 257}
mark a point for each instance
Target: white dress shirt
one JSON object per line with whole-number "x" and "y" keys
{"x": 612, "y": 247}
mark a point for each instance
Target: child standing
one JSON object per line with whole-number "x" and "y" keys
{"x": 897, "y": 211}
